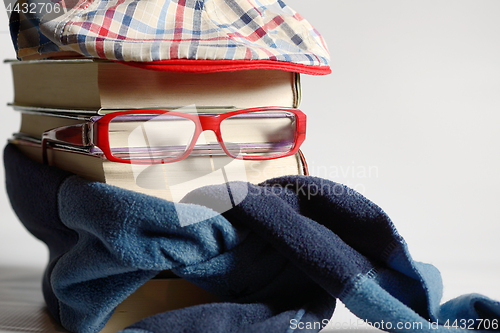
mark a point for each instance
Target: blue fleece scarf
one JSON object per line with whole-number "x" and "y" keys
{"x": 278, "y": 259}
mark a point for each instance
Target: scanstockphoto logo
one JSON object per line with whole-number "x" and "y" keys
{"x": 206, "y": 165}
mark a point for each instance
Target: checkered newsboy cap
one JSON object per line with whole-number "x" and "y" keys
{"x": 193, "y": 35}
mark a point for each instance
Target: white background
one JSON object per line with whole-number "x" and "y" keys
{"x": 415, "y": 93}
{"x": 409, "y": 117}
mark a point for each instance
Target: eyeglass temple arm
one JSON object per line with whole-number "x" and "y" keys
{"x": 75, "y": 135}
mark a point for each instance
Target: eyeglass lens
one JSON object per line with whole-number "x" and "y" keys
{"x": 154, "y": 136}
{"x": 259, "y": 133}
{"x": 166, "y": 136}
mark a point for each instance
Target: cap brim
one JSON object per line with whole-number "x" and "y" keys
{"x": 214, "y": 66}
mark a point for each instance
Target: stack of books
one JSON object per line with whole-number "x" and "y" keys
{"x": 51, "y": 94}
{"x": 55, "y": 93}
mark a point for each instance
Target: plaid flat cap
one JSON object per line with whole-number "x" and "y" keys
{"x": 173, "y": 35}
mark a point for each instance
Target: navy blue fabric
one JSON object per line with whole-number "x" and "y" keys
{"x": 105, "y": 242}
{"x": 31, "y": 189}
{"x": 277, "y": 259}
{"x": 232, "y": 317}
{"x": 351, "y": 248}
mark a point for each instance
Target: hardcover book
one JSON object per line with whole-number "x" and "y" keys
{"x": 170, "y": 181}
{"x": 90, "y": 85}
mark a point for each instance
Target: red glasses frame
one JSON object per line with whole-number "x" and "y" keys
{"x": 96, "y": 133}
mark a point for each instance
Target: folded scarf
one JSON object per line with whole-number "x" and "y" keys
{"x": 278, "y": 259}
{"x": 105, "y": 242}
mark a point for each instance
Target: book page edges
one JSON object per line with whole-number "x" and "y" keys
{"x": 125, "y": 87}
{"x": 170, "y": 181}
{"x": 181, "y": 177}
{"x": 94, "y": 85}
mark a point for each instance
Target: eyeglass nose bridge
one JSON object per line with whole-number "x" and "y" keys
{"x": 210, "y": 123}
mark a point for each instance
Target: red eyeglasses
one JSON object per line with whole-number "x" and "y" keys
{"x": 159, "y": 136}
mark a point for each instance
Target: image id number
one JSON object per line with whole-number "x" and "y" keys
{"x": 34, "y": 8}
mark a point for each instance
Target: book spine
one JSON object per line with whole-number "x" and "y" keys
{"x": 297, "y": 91}
{"x": 305, "y": 167}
